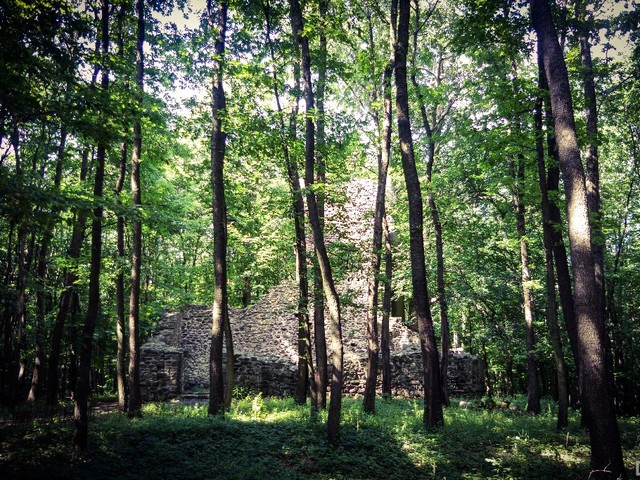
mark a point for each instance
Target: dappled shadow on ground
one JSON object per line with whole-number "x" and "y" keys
{"x": 265, "y": 439}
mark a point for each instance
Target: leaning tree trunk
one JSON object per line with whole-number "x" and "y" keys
{"x": 81, "y": 410}
{"x": 333, "y": 302}
{"x": 135, "y": 399}
{"x": 433, "y": 414}
{"x": 599, "y": 413}
{"x": 218, "y": 23}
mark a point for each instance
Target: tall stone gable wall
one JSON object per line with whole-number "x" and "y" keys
{"x": 176, "y": 358}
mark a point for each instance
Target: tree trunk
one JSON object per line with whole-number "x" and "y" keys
{"x": 598, "y": 409}
{"x": 433, "y": 415}
{"x": 333, "y": 302}
{"x": 552, "y": 307}
{"x": 592, "y": 164}
{"x": 120, "y": 330}
{"x": 135, "y": 400}
{"x": 384, "y": 160}
{"x": 81, "y": 410}
{"x": 218, "y": 23}
{"x": 305, "y": 364}
{"x": 69, "y": 280}
{"x": 533, "y": 392}
{"x": 322, "y": 370}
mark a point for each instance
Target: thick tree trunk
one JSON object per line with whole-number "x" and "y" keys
{"x": 135, "y": 400}
{"x": 333, "y": 302}
{"x": 598, "y": 409}
{"x": 592, "y": 163}
{"x": 218, "y": 23}
{"x": 552, "y": 307}
{"x": 435, "y": 216}
{"x": 433, "y": 415}
{"x": 81, "y": 410}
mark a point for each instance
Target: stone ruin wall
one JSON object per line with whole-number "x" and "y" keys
{"x": 176, "y": 358}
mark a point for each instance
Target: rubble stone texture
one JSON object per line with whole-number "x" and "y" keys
{"x": 176, "y": 358}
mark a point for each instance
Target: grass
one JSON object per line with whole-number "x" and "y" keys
{"x": 273, "y": 439}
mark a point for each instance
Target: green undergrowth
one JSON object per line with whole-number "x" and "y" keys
{"x": 262, "y": 438}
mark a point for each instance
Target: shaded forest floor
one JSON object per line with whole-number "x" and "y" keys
{"x": 275, "y": 439}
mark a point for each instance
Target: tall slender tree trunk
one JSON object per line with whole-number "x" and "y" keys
{"x": 533, "y": 392}
{"x": 218, "y": 23}
{"x": 598, "y": 409}
{"x": 120, "y": 321}
{"x": 68, "y": 282}
{"x": 433, "y": 209}
{"x": 385, "y": 336}
{"x": 552, "y": 307}
{"x": 333, "y": 302}
{"x": 384, "y": 160}
{"x": 305, "y": 364}
{"x": 322, "y": 370}
{"x": 120, "y": 247}
{"x": 433, "y": 414}
{"x": 81, "y": 410}
{"x": 135, "y": 400}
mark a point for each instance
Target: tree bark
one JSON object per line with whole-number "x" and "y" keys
{"x": 384, "y": 159}
{"x": 385, "y": 336}
{"x": 305, "y": 364}
{"x": 533, "y": 392}
{"x": 552, "y": 307}
{"x": 598, "y": 409}
{"x": 218, "y": 139}
{"x": 333, "y": 302}
{"x": 433, "y": 415}
{"x": 120, "y": 330}
{"x": 69, "y": 280}
{"x": 135, "y": 400}
{"x": 81, "y": 410}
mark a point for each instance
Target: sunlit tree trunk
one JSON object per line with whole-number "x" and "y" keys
{"x": 333, "y": 302}
{"x": 552, "y": 307}
{"x": 598, "y": 409}
{"x": 218, "y": 23}
{"x": 433, "y": 414}
{"x": 134, "y": 398}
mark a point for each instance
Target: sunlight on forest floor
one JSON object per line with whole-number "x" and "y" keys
{"x": 276, "y": 439}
